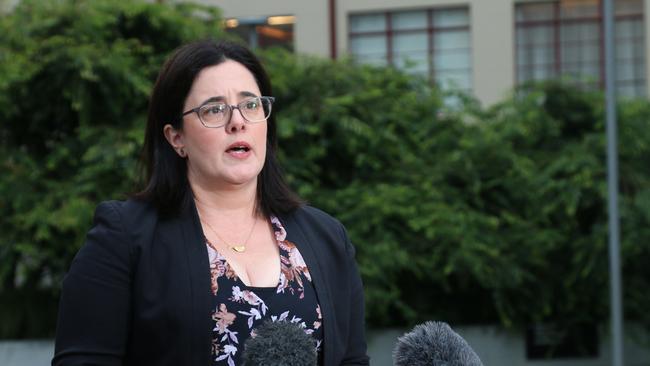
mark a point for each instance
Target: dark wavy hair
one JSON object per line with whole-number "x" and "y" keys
{"x": 167, "y": 186}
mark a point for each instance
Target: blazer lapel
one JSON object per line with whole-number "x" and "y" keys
{"x": 199, "y": 272}
{"x": 299, "y": 237}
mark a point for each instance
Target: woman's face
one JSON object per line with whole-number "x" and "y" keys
{"x": 227, "y": 156}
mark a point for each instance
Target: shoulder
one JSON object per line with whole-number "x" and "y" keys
{"x": 125, "y": 213}
{"x": 319, "y": 221}
{"x": 119, "y": 228}
{"x": 127, "y": 222}
{"x": 321, "y": 226}
{"x": 316, "y": 216}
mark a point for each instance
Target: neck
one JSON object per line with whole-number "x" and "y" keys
{"x": 233, "y": 203}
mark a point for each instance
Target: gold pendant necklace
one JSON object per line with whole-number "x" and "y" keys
{"x": 237, "y": 248}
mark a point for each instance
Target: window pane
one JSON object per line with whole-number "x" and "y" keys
{"x": 628, "y": 7}
{"x": 452, "y": 60}
{"x": 410, "y": 43}
{"x": 541, "y": 56}
{"x": 409, "y": 20}
{"x": 539, "y": 35}
{"x": 371, "y": 49}
{"x": 580, "y": 32}
{"x": 536, "y": 11}
{"x": 452, "y": 49}
{"x": 451, "y": 40}
{"x": 542, "y": 73}
{"x": 368, "y": 23}
{"x": 454, "y": 79}
{"x": 451, "y": 18}
{"x": 577, "y": 9}
{"x": 580, "y": 54}
{"x": 625, "y": 51}
{"x": 410, "y": 51}
{"x": 630, "y": 89}
{"x": 535, "y": 41}
{"x": 535, "y": 73}
{"x": 630, "y": 56}
{"x": 628, "y": 28}
{"x": 625, "y": 71}
{"x": 629, "y": 41}
{"x": 365, "y": 45}
{"x": 522, "y": 57}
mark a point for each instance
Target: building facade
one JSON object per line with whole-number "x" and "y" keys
{"x": 482, "y": 46}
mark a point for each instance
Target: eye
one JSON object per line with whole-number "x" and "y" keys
{"x": 214, "y": 110}
{"x": 252, "y": 104}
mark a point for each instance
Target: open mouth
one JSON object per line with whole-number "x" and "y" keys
{"x": 239, "y": 149}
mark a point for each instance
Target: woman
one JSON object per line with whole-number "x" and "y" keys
{"x": 216, "y": 244}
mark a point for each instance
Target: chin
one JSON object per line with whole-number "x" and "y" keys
{"x": 242, "y": 179}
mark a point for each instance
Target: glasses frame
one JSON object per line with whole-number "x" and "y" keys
{"x": 231, "y": 107}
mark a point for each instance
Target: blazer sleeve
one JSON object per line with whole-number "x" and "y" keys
{"x": 93, "y": 322}
{"x": 356, "y": 353}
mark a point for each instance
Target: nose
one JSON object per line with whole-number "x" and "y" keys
{"x": 237, "y": 122}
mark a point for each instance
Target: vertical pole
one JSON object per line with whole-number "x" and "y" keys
{"x": 332, "y": 14}
{"x": 612, "y": 187}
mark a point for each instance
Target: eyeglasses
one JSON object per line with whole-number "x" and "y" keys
{"x": 216, "y": 114}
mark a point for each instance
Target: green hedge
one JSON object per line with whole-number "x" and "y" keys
{"x": 467, "y": 214}
{"x": 75, "y": 77}
{"x": 459, "y": 213}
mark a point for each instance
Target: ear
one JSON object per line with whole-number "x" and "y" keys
{"x": 175, "y": 138}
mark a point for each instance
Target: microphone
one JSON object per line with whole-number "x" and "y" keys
{"x": 433, "y": 344}
{"x": 280, "y": 343}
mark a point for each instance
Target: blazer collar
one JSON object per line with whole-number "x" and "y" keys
{"x": 308, "y": 249}
{"x": 188, "y": 227}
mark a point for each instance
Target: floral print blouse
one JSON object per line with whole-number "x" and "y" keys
{"x": 238, "y": 308}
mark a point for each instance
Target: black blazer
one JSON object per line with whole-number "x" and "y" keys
{"x": 138, "y": 291}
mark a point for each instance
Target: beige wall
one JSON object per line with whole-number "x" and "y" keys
{"x": 492, "y": 32}
{"x": 493, "y": 49}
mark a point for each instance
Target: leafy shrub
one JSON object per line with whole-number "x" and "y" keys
{"x": 74, "y": 83}
{"x": 459, "y": 213}
{"x": 467, "y": 214}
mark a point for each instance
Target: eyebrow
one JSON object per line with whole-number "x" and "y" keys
{"x": 221, "y": 98}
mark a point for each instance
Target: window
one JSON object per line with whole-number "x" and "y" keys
{"x": 565, "y": 39}
{"x": 431, "y": 42}
{"x": 264, "y": 32}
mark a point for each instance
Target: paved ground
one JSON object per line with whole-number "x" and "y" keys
{"x": 39, "y": 352}
{"x": 26, "y": 353}
{"x": 493, "y": 345}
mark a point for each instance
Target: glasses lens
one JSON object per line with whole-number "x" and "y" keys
{"x": 214, "y": 114}
{"x": 256, "y": 109}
